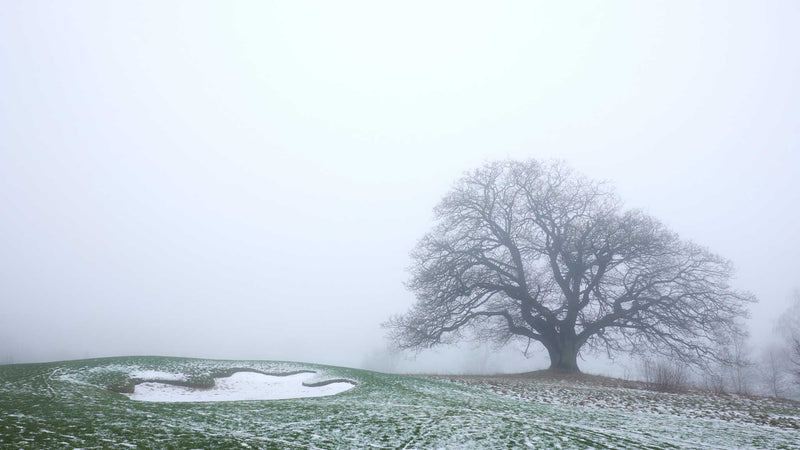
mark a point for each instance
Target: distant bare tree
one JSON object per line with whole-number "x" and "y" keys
{"x": 535, "y": 252}
{"x": 789, "y": 327}
{"x": 772, "y": 370}
{"x": 740, "y": 364}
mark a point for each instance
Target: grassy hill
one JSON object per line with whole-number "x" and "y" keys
{"x": 69, "y": 405}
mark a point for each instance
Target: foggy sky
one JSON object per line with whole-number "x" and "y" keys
{"x": 246, "y": 180}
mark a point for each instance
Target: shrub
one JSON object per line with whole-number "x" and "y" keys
{"x": 665, "y": 375}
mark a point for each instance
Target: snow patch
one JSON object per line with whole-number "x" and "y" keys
{"x": 240, "y": 386}
{"x": 156, "y": 375}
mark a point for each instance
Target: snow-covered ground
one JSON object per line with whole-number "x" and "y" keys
{"x": 156, "y": 375}
{"x": 239, "y": 386}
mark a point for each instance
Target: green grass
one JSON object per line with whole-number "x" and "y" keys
{"x": 67, "y": 405}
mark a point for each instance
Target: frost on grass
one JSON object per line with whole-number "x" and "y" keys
{"x": 240, "y": 386}
{"x": 67, "y": 405}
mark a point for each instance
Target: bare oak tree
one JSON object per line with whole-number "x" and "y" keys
{"x": 533, "y": 251}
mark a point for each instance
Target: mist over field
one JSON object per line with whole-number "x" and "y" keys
{"x": 247, "y": 180}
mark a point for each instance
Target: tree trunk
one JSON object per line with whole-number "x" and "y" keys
{"x": 563, "y": 355}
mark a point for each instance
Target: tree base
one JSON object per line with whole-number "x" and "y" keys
{"x": 564, "y": 369}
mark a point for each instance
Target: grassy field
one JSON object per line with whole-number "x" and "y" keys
{"x": 68, "y": 405}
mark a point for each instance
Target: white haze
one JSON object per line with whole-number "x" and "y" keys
{"x": 246, "y": 179}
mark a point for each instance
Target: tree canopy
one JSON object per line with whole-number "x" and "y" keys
{"x": 533, "y": 251}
